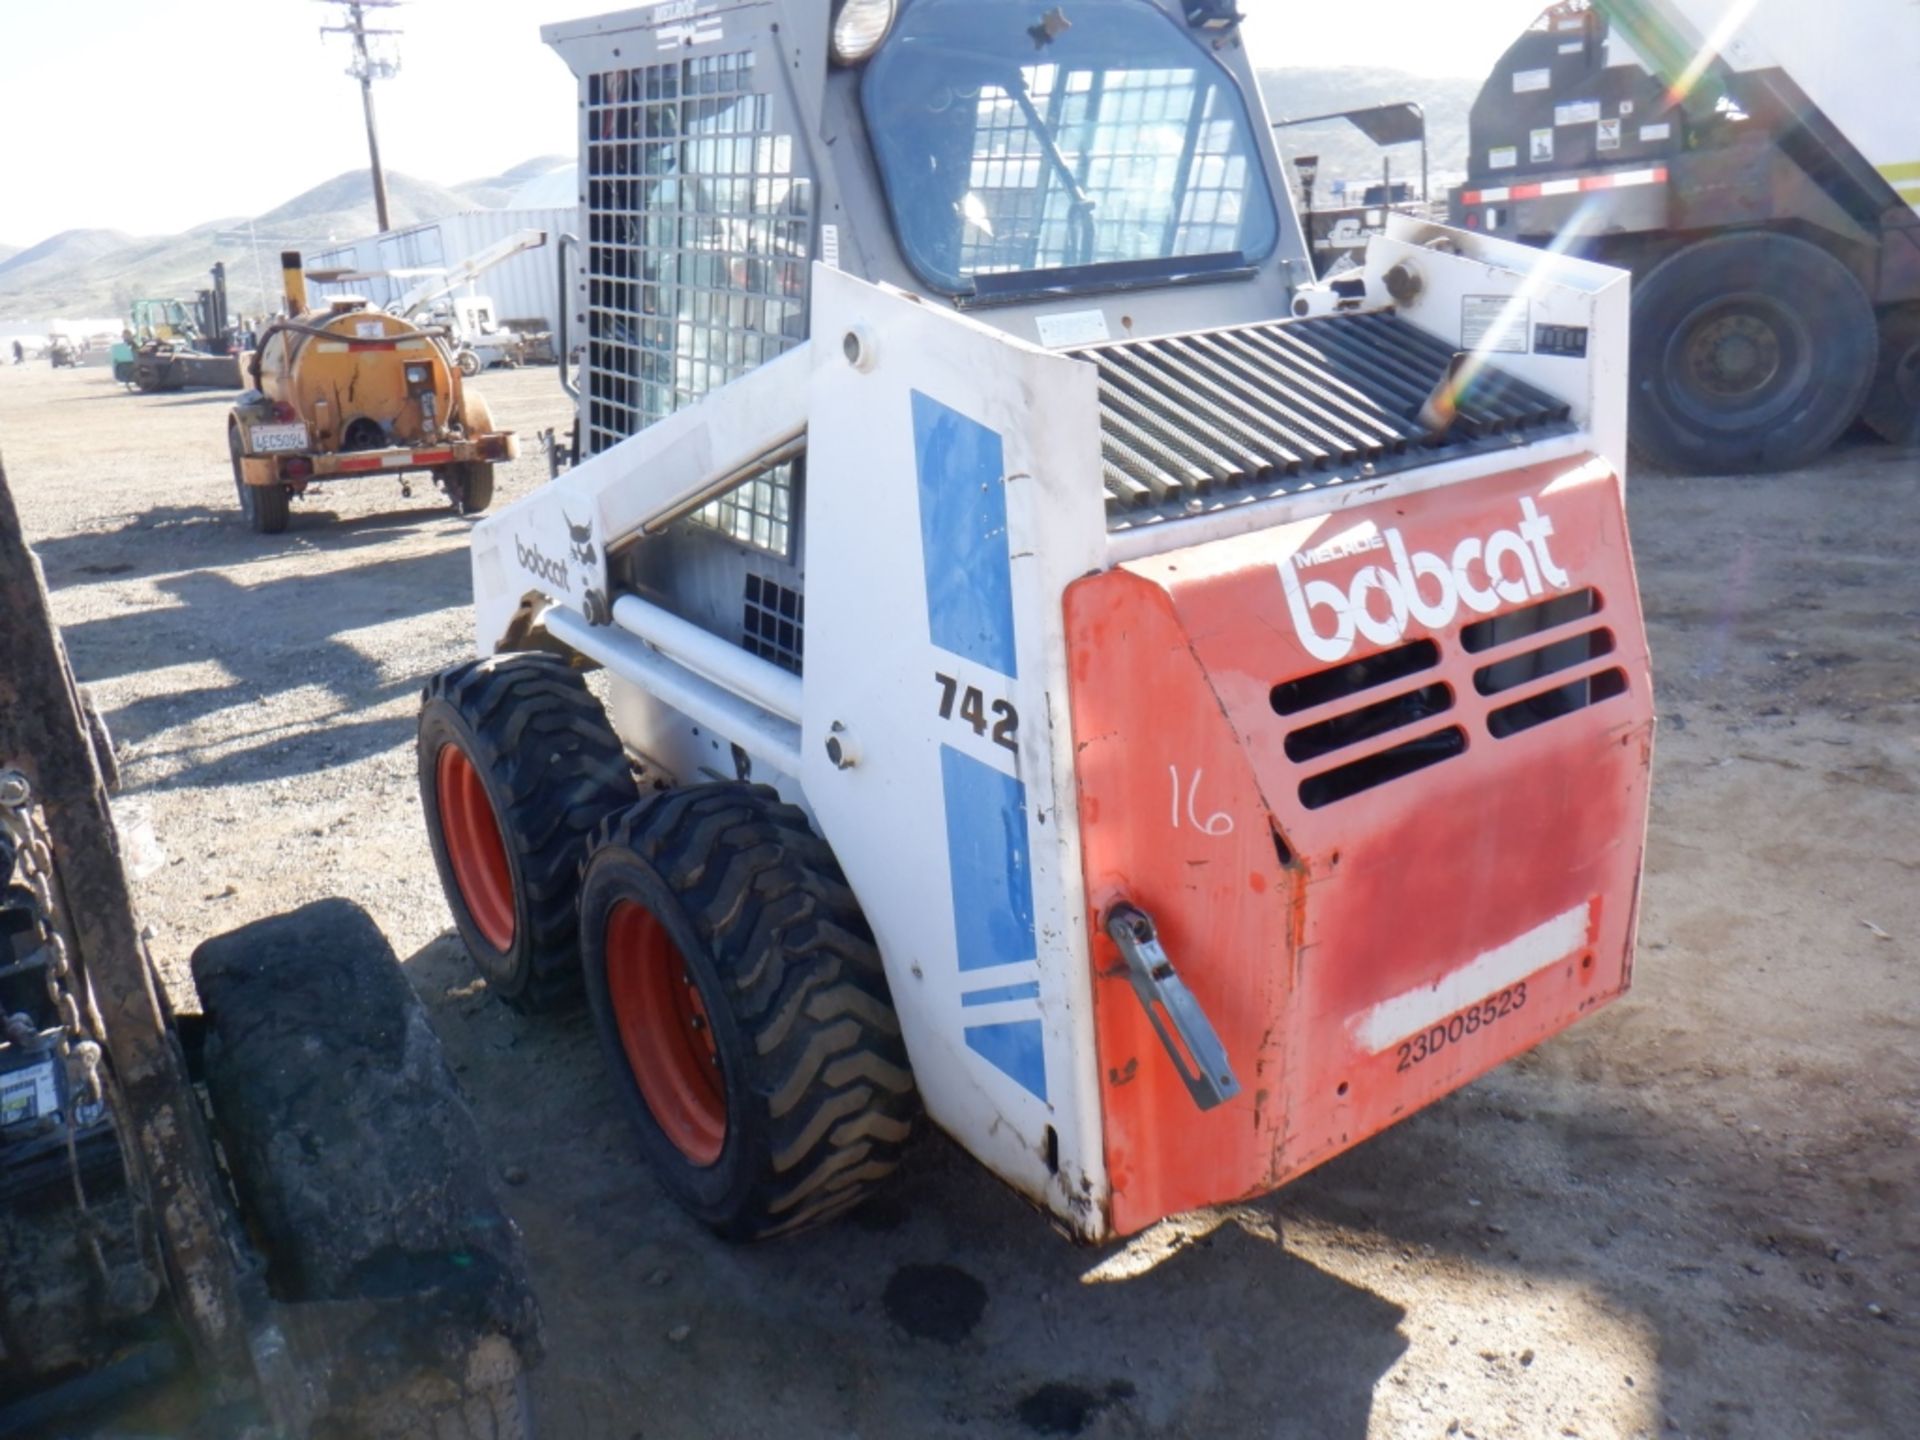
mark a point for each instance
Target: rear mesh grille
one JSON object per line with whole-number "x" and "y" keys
{"x": 1192, "y": 423}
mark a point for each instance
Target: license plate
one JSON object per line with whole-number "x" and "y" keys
{"x": 274, "y": 439}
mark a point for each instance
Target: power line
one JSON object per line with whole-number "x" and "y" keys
{"x": 367, "y": 67}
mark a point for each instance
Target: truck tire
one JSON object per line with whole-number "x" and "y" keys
{"x": 1751, "y": 351}
{"x": 517, "y": 766}
{"x": 743, "y": 1009}
{"x": 470, "y": 487}
{"x": 364, "y": 1179}
{"x": 1893, "y": 405}
{"x": 469, "y": 363}
{"x": 265, "y": 506}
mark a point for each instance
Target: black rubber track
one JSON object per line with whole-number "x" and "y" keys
{"x": 820, "y": 1098}
{"x": 363, "y": 1175}
{"x": 554, "y": 769}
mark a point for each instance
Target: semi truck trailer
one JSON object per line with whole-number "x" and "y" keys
{"x": 1756, "y": 168}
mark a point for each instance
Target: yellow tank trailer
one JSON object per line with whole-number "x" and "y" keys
{"x": 351, "y": 391}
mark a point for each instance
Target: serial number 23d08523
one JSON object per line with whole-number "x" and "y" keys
{"x": 1456, "y": 1027}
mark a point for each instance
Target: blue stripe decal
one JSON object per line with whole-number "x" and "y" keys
{"x": 1016, "y": 1048}
{"x": 1028, "y": 991}
{"x": 988, "y": 862}
{"x": 963, "y": 535}
{"x": 990, "y": 867}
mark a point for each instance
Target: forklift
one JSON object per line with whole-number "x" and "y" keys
{"x": 171, "y": 345}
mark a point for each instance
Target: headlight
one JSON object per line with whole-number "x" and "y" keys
{"x": 858, "y": 28}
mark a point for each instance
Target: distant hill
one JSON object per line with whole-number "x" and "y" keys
{"x": 69, "y": 247}
{"x": 1346, "y": 154}
{"x": 101, "y": 272}
{"x": 7, "y": 252}
{"x": 345, "y": 205}
{"x": 496, "y": 190}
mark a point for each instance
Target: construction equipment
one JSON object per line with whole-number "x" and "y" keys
{"x": 169, "y": 346}
{"x": 1065, "y": 670}
{"x": 63, "y": 351}
{"x": 475, "y": 337}
{"x": 339, "y": 1264}
{"x": 1754, "y": 170}
{"x": 349, "y": 392}
{"x": 1340, "y": 228}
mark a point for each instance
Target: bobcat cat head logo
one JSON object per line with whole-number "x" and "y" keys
{"x": 582, "y": 537}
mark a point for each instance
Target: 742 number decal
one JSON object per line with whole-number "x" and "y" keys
{"x": 1456, "y": 1027}
{"x": 974, "y": 708}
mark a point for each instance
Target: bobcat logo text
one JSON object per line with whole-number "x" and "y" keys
{"x": 1508, "y": 567}
{"x": 553, "y": 571}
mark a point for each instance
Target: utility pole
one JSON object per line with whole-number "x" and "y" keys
{"x": 367, "y": 68}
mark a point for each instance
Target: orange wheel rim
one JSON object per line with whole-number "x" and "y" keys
{"x": 666, "y": 1033}
{"x": 474, "y": 848}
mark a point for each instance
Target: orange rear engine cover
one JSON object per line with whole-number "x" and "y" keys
{"x": 1380, "y": 779}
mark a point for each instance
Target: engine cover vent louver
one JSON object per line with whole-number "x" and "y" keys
{"x": 1193, "y": 423}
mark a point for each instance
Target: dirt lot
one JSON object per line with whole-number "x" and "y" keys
{"x": 1697, "y": 1214}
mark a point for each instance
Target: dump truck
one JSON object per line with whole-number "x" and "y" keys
{"x": 270, "y": 1215}
{"x": 1067, "y": 674}
{"x": 1754, "y": 168}
{"x": 174, "y": 345}
{"x": 350, "y": 392}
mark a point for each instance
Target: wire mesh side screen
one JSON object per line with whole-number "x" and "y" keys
{"x": 699, "y": 233}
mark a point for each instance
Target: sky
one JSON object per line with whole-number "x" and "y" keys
{"x": 153, "y": 116}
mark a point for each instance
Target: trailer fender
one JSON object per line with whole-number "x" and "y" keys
{"x": 258, "y": 470}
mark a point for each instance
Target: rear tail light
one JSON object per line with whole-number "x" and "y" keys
{"x": 295, "y": 467}
{"x": 493, "y": 447}
{"x": 283, "y": 412}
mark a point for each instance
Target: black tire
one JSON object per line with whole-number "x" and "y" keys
{"x": 1893, "y": 405}
{"x": 813, "y": 1080}
{"x": 1751, "y": 351}
{"x": 470, "y": 487}
{"x": 364, "y": 1178}
{"x": 550, "y": 768}
{"x": 264, "y": 506}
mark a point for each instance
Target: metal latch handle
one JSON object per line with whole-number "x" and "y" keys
{"x": 1199, "y": 1056}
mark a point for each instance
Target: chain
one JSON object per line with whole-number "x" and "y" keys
{"x": 34, "y": 865}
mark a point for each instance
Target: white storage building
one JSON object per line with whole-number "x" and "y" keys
{"x": 525, "y": 287}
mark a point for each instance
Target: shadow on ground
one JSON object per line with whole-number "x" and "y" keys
{"x": 946, "y": 1306}
{"x": 301, "y": 647}
{"x": 164, "y": 539}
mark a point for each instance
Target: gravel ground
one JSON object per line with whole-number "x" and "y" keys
{"x": 1693, "y": 1215}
